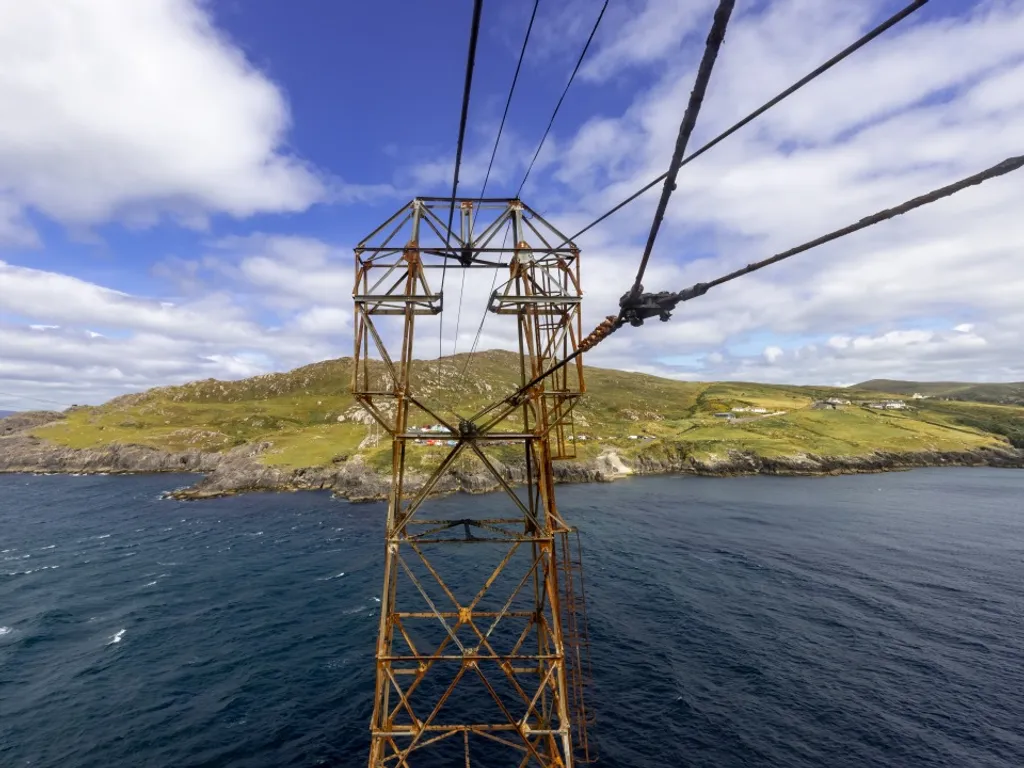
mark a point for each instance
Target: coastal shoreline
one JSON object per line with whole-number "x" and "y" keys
{"x": 239, "y": 471}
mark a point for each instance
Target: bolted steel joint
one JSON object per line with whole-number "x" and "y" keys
{"x": 639, "y": 307}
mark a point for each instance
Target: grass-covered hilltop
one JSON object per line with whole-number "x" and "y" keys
{"x": 303, "y": 428}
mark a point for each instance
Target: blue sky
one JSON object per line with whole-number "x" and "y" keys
{"x": 181, "y": 182}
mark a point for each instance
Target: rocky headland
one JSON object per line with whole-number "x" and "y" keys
{"x": 240, "y": 470}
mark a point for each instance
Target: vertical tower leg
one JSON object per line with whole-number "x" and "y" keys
{"x": 472, "y": 657}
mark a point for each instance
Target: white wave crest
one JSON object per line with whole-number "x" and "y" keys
{"x": 32, "y": 570}
{"x": 117, "y": 638}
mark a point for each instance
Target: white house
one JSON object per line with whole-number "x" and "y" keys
{"x": 890, "y": 405}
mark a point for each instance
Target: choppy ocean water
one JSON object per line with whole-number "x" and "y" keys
{"x": 850, "y": 621}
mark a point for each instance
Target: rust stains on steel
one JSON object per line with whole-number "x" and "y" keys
{"x": 611, "y": 324}
{"x": 494, "y": 668}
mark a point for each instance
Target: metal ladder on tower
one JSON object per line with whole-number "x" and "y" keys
{"x": 577, "y": 643}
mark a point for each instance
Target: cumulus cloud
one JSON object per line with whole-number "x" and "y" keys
{"x": 93, "y": 343}
{"x": 652, "y": 34}
{"x": 897, "y": 119}
{"x": 38, "y": 294}
{"x": 935, "y": 294}
{"x": 136, "y": 110}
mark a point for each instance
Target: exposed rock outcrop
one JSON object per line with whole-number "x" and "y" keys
{"x": 240, "y": 471}
{"x": 738, "y": 463}
{"x": 356, "y": 481}
{"x": 26, "y": 420}
{"x": 24, "y": 453}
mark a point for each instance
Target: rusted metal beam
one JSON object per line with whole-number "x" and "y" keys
{"x": 516, "y": 634}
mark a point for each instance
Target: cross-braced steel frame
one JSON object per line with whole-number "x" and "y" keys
{"x": 481, "y": 651}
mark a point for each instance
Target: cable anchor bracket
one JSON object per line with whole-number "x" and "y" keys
{"x": 636, "y": 306}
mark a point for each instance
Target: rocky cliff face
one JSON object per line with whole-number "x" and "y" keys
{"x": 355, "y": 481}
{"x": 240, "y": 471}
{"x": 24, "y": 453}
{"x": 25, "y": 420}
{"x": 877, "y": 461}
{"x": 21, "y": 452}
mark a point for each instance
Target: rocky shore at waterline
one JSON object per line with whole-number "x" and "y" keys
{"x": 240, "y": 469}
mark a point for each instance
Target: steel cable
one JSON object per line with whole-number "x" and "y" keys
{"x": 867, "y": 38}
{"x": 487, "y": 176}
{"x": 551, "y": 122}
{"x": 558, "y": 106}
{"x": 1000, "y": 169}
{"x": 714, "y": 42}
{"x": 474, "y": 34}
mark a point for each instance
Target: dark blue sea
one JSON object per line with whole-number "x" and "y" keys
{"x": 850, "y": 621}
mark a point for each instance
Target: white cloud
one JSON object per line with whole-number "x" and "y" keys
{"x": 325, "y": 321}
{"x": 434, "y": 176}
{"x": 904, "y": 353}
{"x": 935, "y": 294}
{"x": 289, "y": 272}
{"x": 147, "y": 341}
{"x": 652, "y": 35}
{"x": 899, "y": 118}
{"x": 136, "y": 110}
{"x": 902, "y": 70}
{"x": 42, "y": 295}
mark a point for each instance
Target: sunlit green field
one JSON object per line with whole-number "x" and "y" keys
{"x": 308, "y": 418}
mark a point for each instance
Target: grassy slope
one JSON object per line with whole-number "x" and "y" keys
{"x": 1011, "y": 393}
{"x": 298, "y": 412}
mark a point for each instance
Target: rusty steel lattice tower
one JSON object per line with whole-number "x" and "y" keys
{"x": 482, "y": 652}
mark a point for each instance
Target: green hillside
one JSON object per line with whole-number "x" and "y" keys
{"x": 309, "y": 418}
{"x": 1011, "y": 393}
